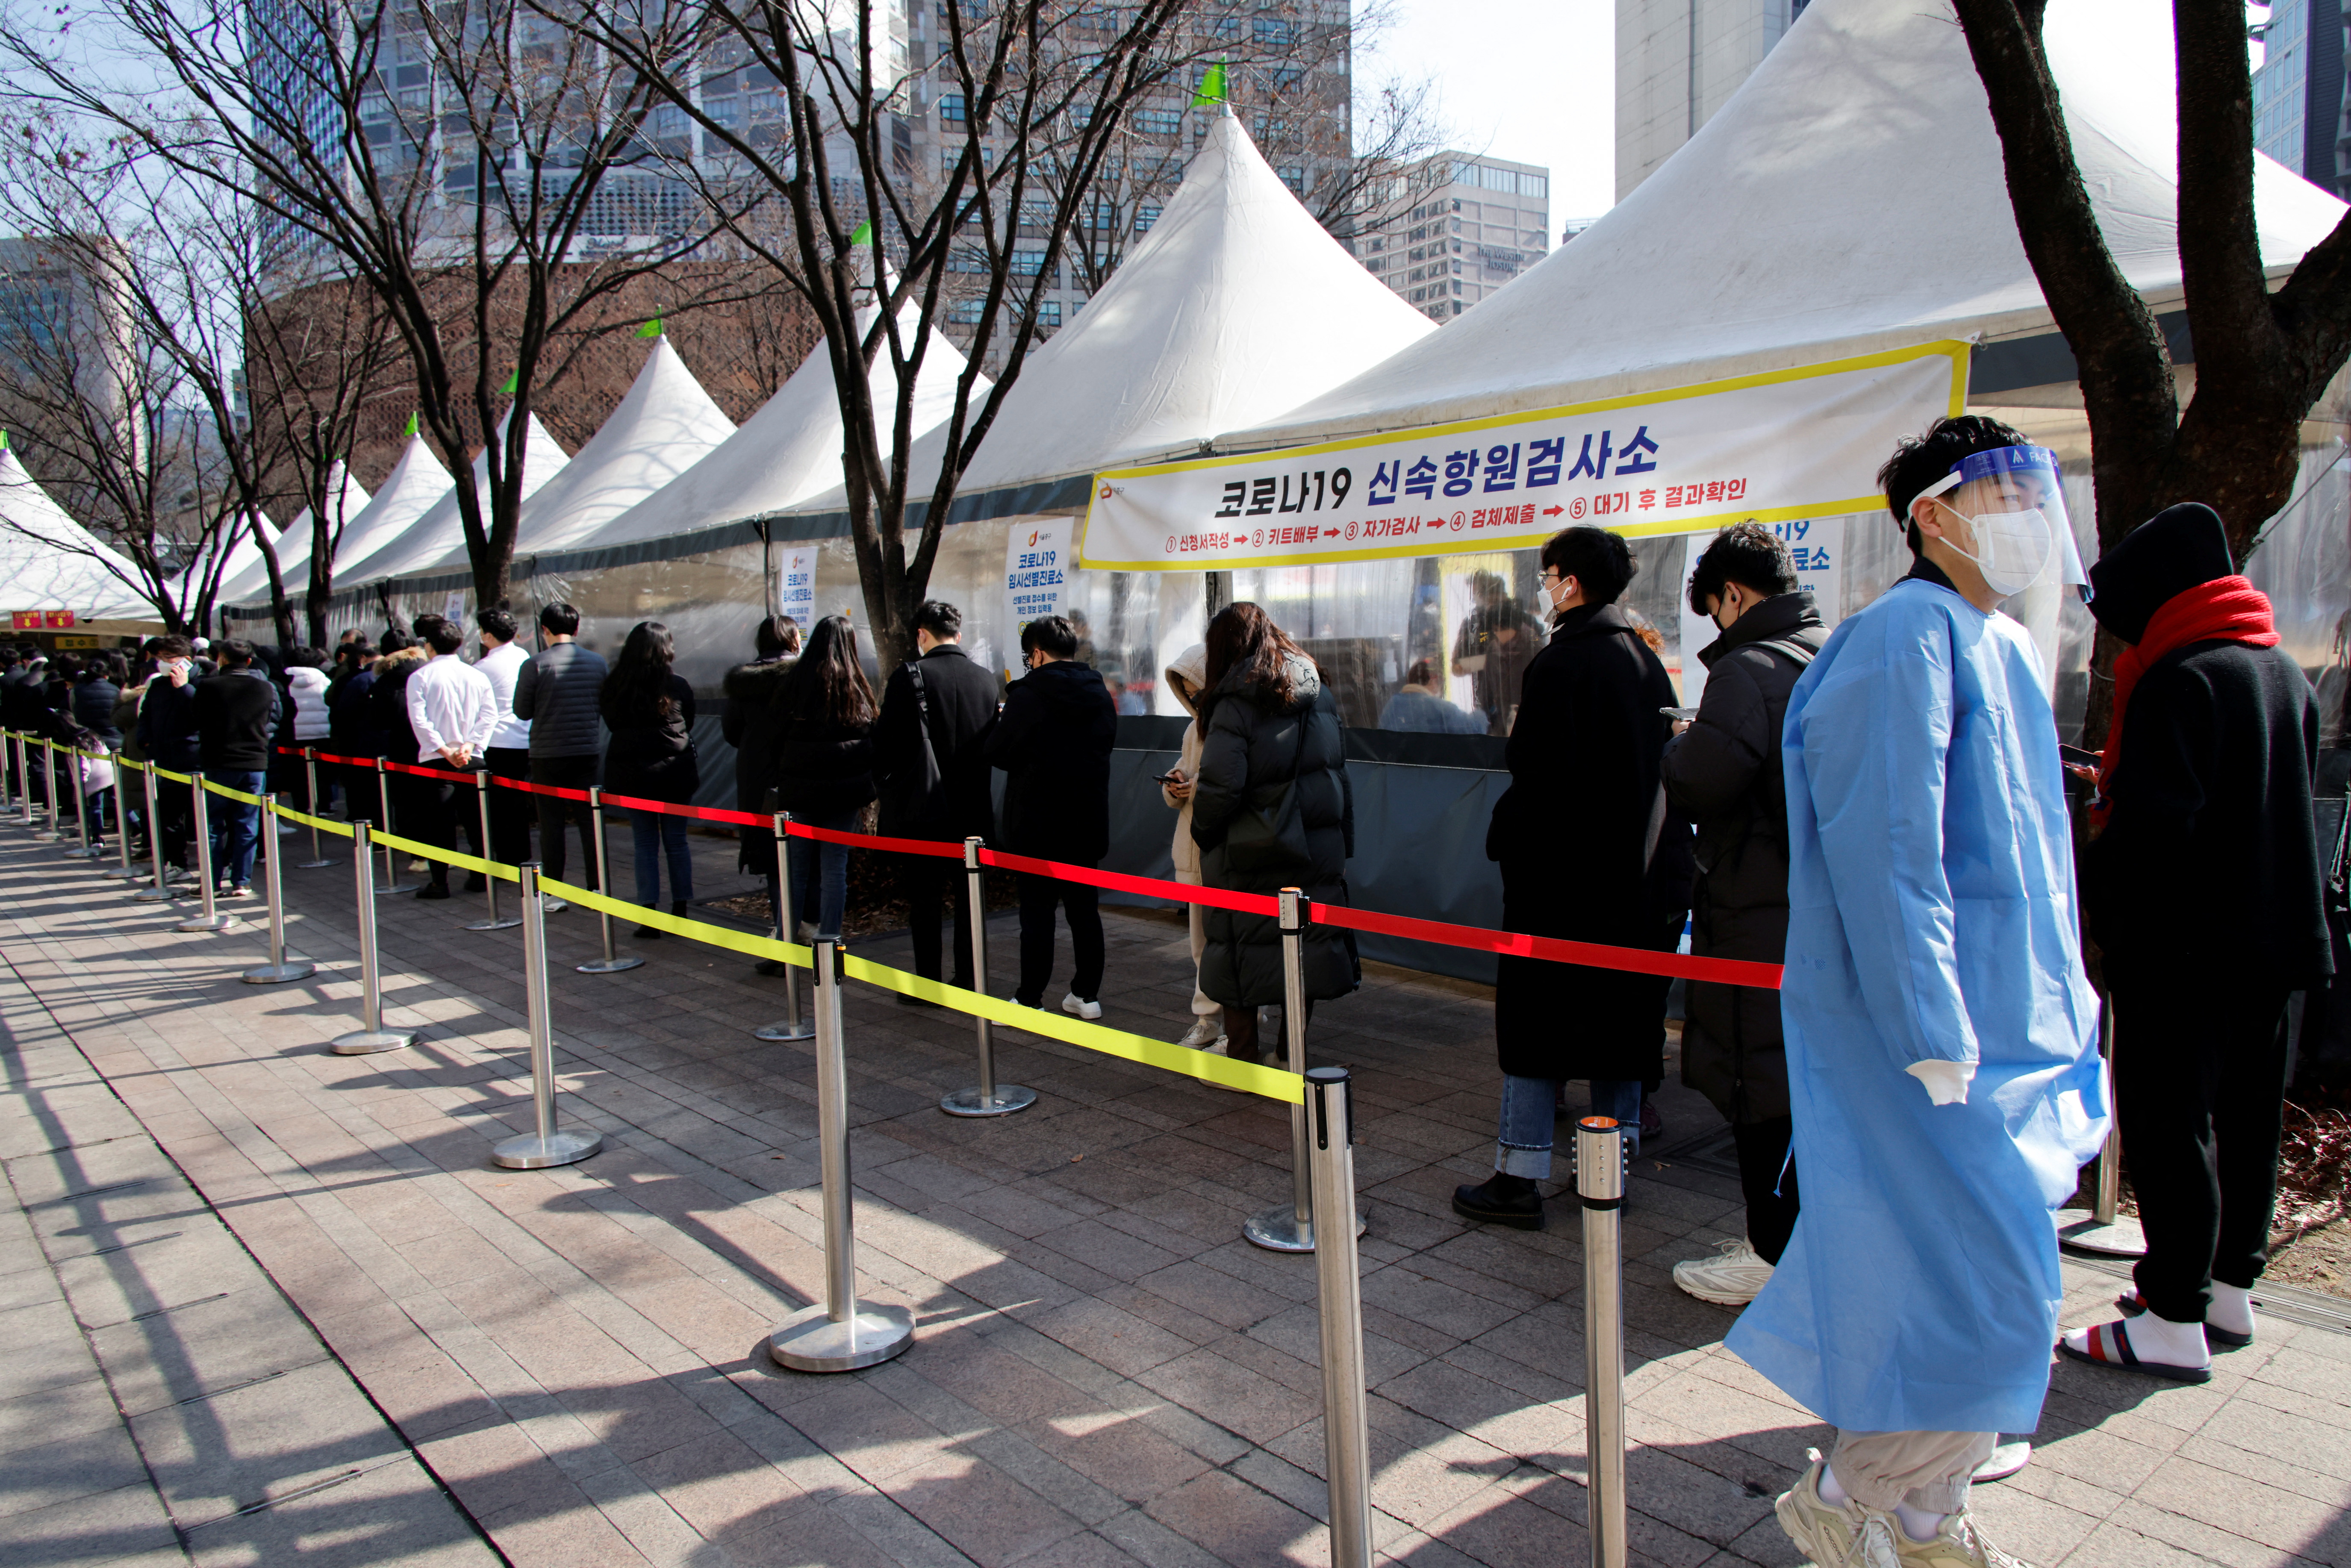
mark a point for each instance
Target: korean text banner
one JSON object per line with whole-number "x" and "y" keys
{"x": 1774, "y": 447}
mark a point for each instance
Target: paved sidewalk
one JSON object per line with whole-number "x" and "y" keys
{"x": 1105, "y": 1374}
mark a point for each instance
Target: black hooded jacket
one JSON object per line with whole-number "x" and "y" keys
{"x": 1053, "y": 742}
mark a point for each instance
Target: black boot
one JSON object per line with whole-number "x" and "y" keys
{"x": 647, "y": 933}
{"x": 1515, "y": 1201}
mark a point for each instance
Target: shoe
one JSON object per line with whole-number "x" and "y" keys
{"x": 2215, "y": 1336}
{"x": 475, "y": 881}
{"x": 551, "y": 906}
{"x": 1077, "y": 1006}
{"x": 1503, "y": 1200}
{"x": 771, "y": 967}
{"x": 415, "y": 864}
{"x": 239, "y": 891}
{"x": 646, "y": 932}
{"x": 2108, "y": 1344}
{"x": 806, "y": 933}
{"x": 1224, "y": 1047}
{"x": 906, "y": 1001}
{"x": 962, "y": 983}
{"x": 178, "y": 874}
{"x": 1651, "y": 1121}
{"x": 1957, "y": 1544}
{"x": 1732, "y": 1277}
{"x": 1204, "y": 1032}
{"x": 434, "y": 890}
{"x": 1826, "y": 1535}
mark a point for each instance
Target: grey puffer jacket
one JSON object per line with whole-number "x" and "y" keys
{"x": 1723, "y": 774}
{"x": 1253, "y": 748}
{"x": 557, "y": 690}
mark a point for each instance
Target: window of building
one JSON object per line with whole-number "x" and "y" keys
{"x": 1159, "y": 122}
{"x": 1028, "y": 263}
{"x": 951, "y": 108}
{"x": 1049, "y": 313}
{"x": 1295, "y": 177}
{"x": 1146, "y": 215}
{"x": 1535, "y": 185}
{"x": 1273, "y": 33}
{"x": 964, "y": 313}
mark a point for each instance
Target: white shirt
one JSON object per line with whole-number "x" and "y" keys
{"x": 502, "y": 665}
{"x": 450, "y": 705}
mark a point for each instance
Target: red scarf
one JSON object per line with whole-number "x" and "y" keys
{"x": 2225, "y": 610}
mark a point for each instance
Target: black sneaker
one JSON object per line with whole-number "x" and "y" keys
{"x": 434, "y": 890}
{"x": 1514, "y": 1201}
{"x": 477, "y": 883}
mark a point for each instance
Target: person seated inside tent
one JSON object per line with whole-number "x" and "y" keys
{"x": 1419, "y": 707}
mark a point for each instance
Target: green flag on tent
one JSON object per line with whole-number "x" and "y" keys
{"x": 864, "y": 234}
{"x": 652, "y": 328}
{"x": 513, "y": 381}
{"x": 1212, "y": 85}
{"x": 412, "y": 426}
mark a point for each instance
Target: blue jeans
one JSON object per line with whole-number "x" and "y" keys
{"x": 1529, "y": 1106}
{"x": 658, "y": 835}
{"x": 820, "y": 875}
{"x": 237, "y": 827}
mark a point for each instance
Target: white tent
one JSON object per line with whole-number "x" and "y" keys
{"x": 1849, "y": 198}
{"x": 441, "y": 529}
{"x": 294, "y": 545}
{"x": 415, "y": 484}
{"x": 784, "y": 453}
{"x": 243, "y": 555}
{"x": 662, "y": 430}
{"x": 48, "y": 561}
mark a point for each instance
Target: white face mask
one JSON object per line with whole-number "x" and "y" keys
{"x": 2013, "y": 549}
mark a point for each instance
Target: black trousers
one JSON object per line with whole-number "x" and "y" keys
{"x": 510, "y": 811}
{"x": 176, "y": 809}
{"x": 565, "y": 773}
{"x": 1771, "y": 1194}
{"x": 2200, "y": 1087}
{"x": 1039, "y": 896}
{"x": 926, "y": 882}
{"x": 433, "y": 812}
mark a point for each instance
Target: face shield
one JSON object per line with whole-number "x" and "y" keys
{"x": 2013, "y": 500}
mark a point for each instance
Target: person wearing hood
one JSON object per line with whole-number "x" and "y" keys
{"x": 1053, "y": 742}
{"x": 2203, "y": 888}
{"x": 1722, "y": 772}
{"x": 930, "y": 759}
{"x": 749, "y": 726}
{"x": 395, "y": 739}
{"x": 1272, "y": 808}
{"x": 1589, "y": 850}
{"x": 1187, "y": 678}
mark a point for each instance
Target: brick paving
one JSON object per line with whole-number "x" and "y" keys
{"x": 1104, "y": 1373}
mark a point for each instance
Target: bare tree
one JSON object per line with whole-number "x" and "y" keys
{"x": 2262, "y": 356}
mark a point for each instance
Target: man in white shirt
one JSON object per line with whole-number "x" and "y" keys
{"x": 454, "y": 711}
{"x": 510, "y": 749}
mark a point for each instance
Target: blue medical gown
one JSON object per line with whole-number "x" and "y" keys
{"x": 1931, "y": 915}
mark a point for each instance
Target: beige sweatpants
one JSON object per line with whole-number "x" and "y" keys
{"x": 1928, "y": 1470}
{"x": 1202, "y": 1007}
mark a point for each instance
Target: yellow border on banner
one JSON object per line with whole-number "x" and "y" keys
{"x": 679, "y": 926}
{"x": 1953, "y": 349}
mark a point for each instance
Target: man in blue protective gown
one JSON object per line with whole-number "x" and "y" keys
{"x": 1942, "y": 1062}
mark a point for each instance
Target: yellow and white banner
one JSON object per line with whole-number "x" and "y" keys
{"x": 1774, "y": 447}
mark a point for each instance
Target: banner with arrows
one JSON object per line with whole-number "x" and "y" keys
{"x": 1774, "y": 447}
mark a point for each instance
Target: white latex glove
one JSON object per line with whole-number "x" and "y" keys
{"x": 1945, "y": 1081}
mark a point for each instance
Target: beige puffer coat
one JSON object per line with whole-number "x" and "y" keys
{"x": 1186, "y": 676}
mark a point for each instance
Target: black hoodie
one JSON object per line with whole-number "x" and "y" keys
{"x": 1053, "y": 741}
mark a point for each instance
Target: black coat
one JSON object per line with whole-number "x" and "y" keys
{"x": 749, "y": 726}
{"x": 961, "y": 699}
{"x": 822, "y": 768}
{"x": 93, "y": 708}
{"x": 1053, "y": 741}
{"x": 236, "y": 714}
{"x": 652, "y": 755}
{"x": 387, "y": 701}
{"x": 1589, "y": 850}
{"x": 350, "y": 716}
{"x": 167, "y": 725}
{"x": 1723, "y": 775}
{"x": 1250, "y": 750}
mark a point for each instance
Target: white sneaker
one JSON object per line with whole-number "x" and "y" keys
{"x": 1732, "y": 1277}
{"x": 550, "y": 904}
{"x": 804, "y": 934}
{"x": 1079, "y": 1006}
{"x": 1204, "y": 1033}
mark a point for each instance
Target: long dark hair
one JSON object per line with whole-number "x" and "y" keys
{"x": 637, "y": 691}
{"x": 1243, "y": 637}
{"x": 829, "y": 685}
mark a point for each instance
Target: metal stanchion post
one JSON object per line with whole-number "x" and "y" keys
{"x": 49, "y": 790}
{"x": 793, "y": 1026}
{"x": 1600, "y": 1183}
{"x": 128, "y": 873}
{"x": 549, "y": 1145}
{"x": 211, "y": 919}
{"x": 23, "y": 780}
{"x": 371, "y": 1036}
{"x": 841, "y": 1332}
{"x": 161, "y": 891}
{"x": 612, "y": 963}
{"x": 317, "y": 808}
{"x": 2102, "y": 1230}
{"x": 1289, "y": 1227}
{"x": 393, "y": 884}
{"x": 1346, "y": 1436}
{"x": 7, "y": 780}
{"x": 482, "y": 783}
{"x": 987, "y": 1098}
{"x": 281, "y": 966}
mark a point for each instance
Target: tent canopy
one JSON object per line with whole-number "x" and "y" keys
{"x": 417, "y": 481}
{"x": 441, "y": 529}
{"x": 1850, "y": 198}
{"x": 48, "y": 561}
{"x": 294, "y": 544}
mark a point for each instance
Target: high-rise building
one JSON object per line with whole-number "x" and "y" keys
{"x": 2299, "y": 91}
{"x": 1677, "y": 62}
{"x": 1461, "y": 227}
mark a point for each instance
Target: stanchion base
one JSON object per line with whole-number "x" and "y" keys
{"x": 206, "y": 922}
{"x": 46, "y": 837}
{"x": 804, "y": 1030}
{"x": 311, "y": 865}
{"x": 96, "y": 852}
{"x": 396, "y": 889}
{"x": 508, "y": 924}
{"x": 610, "y": 966}
{"x": 1277, "y": 1230}
{"x": 562, "y": 1148}
{"x": 151, "y": 894}
{"x": 2005, "y": 1461}
{"x": 278, "y": 974}
{"x": 2085, "y": 1232}
{"x": 119, "y": 874}
{"x": 1007, "y": 1098}
{"x": 361, "y": 1042}
{"x": 809, "y": 1341}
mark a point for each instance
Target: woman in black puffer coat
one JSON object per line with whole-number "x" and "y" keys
{"x": 1271, "y": 809}
{"x": 824, "y": 712}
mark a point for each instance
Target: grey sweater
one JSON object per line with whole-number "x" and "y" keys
{"x": 557, "y": 690}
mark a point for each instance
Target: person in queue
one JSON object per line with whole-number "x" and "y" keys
{"x": 1584, "y": 752}
{"x": 453, "y": 711}
{"x": 749, "y": 726}
{"x": 823, "y": 769}
{"x": 1053, "y": 741}
{"x": 1187, "y": 677}
{"x": 1943, "y": 1068}
{"x": 410, "y": 802}
{"x": 1272, "y": 808}
{"x": 509, "y": 753}
{"x": 2204, "y": 806}
{"x": 236, "y": 713}
{"x": 930, "y": 759}
{"x": 351, "y": 729}
{"x": 305, "y": 722}
{"x": 557, "y": 693}
{"x": 648, "y": 708}
{"x": 1722, "y": 773}
{"x": 167, "y": 734}
{"x": 1420, "y": 707}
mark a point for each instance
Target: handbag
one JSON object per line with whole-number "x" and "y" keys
{"x": 1272, "y": 836}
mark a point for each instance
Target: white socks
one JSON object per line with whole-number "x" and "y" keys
{"x": 2173, "y": 1344}
{"x": 1916, "y": 1524}
{"x": 2232, "y": 1308}
{"x": 1832, "y": 1494}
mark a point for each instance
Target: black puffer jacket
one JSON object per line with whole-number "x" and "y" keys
{"x": 1053, "y": 741}
{"x": 1723, "y": 774}
{"x": 1251, "y": 751}
{"x": 823, "y": 768}
{"x": 652, "y": 755}
{"x": 749, "y": 727}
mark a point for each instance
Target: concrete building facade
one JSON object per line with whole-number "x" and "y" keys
{"x": 1677, "y": 62}
{"x": 1461, "y": 227}
{"x": 2299, "y": 92}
